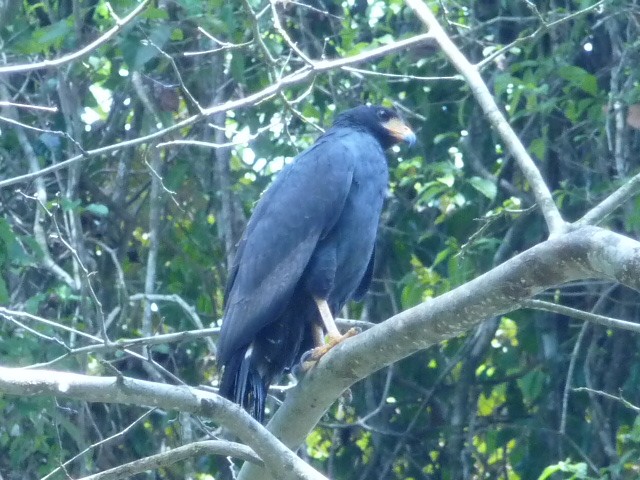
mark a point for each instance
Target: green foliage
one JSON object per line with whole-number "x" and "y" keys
{"x": 572, "y": 471}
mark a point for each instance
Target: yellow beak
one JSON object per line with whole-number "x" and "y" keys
{"x": 400, "y": 131}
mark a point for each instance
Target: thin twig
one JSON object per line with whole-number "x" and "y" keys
{"x": 625, "y": 402}
{"x": 283, "y": 33}
{"x": 582, "y": 315}
{"x": 108, "y": 35}
{"x": 188, "y": 309}
{"x": 39, "y": 234}
{"x": 153, "y": 462}
{"x": 601, "y": 211}
{"x": 292, "y": 79}
{"x": 574, "y": 358}
{"x": 529, "y": 38}
{"x": 102, "y": 442}
{"x": 198, "y": 143}
{"x": 570, "y": 370}
{"x": 28, "y": 107}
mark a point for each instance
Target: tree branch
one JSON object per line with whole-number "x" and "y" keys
{"x": 40, "y": 199}
{"x": 279, "y": 460}
{"x": 581, "y": 315}
{"x": 625, "y": 402}
{"x": 108, "y": 35}
{"x": 164, "y": 459}
{"x": 554, "y": 220}
{"x": 601, "y": 211}
{"x": 295, "y": 78}
{"x": 590, "y": 252}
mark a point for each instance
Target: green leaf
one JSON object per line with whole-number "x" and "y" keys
{"x": 447, "y": 180}
{"x": 531, "y": 385}
{"x": 488, "y": 404}
{"x": 51, "y": 35}
{"x": 539, "y": 148}
{"x": 4, "y": 293}
{"x": 10, "y": 246}
{"x": 578, "y": 470}
{"x": 484, "y": 186}
{"x": 441, "y": 257}
{"x": 238, "y": 66}
{"x": 33, "y": 304}
{"x": 547, "y": 472}
{"x": 69, "y": 205}
{"x": 579, "y": 78}
{"x": 97, "y": 209}
{"x": 152, "y": 13}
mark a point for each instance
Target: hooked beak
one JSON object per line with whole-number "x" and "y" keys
{"x": 400, "y": 131}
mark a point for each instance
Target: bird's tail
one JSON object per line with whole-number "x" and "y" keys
{"x": 242, "y": 383}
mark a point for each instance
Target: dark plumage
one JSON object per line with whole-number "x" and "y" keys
{"x": 311, "y": 238}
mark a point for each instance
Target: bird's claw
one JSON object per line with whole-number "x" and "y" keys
{"x": 350, "y": 333}
{"x": 310, "y": 358}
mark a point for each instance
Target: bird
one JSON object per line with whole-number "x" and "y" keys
{"x": 308, "y": 248}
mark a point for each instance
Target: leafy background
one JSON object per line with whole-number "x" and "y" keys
{"x": 81, "y": 247}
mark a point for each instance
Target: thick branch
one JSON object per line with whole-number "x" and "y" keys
{"x": 590, "y": 252}
{"x": 280, "y": 461}
{"x": 554, "y": 220}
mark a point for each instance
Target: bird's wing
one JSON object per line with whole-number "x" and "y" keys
{"x": 366, "y": 279}
{"x": 299, "y": 208}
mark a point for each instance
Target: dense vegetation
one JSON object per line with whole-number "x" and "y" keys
{"x": 132, "y": 237}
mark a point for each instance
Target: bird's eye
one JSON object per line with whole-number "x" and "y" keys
{"x": 383, "y": 115}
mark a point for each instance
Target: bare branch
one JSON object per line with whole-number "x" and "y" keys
{"x": 403, "y": 77}
{"x": 295, "y": 78}
{"x": 528, "y": 38}
{"x": 554, "y": 220}
{"x": 601, "y": 211}
{"x": 156, "y": 297}
{"x": 570, "y": 370}
{"x": 28, "y": 107}
{"x": 279, "y": 460}
{"x": 108, "y": 35}
{"x": 587, "y": 253}
{"x": 35, "y": 318}
{"x": 189, "y": 310}
{"x": 164, "y": 459}
{"x": 257, "y": 35}
{"x": 625, "y": 402}
{"x": 283, "y": 33}
{"x": 574, "y": 358}
{"x": 223, "y": 45}
{"x": 40, "y": 198}
{"x": 103, "y": 442}
{"x": 198, "y": 143}
{"x": 582, "y": 315}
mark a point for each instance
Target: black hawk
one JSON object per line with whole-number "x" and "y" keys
{"x": 308, "y": 249}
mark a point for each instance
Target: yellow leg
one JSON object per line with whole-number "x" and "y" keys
{"x": 318, "y": 335}
{"x": 332, "y": 332}
{"x": 327, "y": 317}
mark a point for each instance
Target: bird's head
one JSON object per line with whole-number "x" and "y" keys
{"x": 383, "y": 123}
